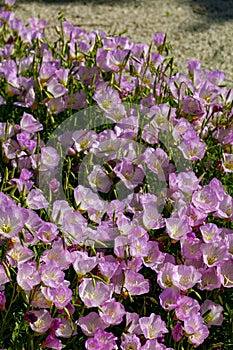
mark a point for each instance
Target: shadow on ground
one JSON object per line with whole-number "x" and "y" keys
{"x": 84, "y": 2}
{"x": 213, "y": 10}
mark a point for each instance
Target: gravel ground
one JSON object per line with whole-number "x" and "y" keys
{"x": 197, "y": 29}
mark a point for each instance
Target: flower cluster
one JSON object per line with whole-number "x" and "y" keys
{"x": 128, "y": 244}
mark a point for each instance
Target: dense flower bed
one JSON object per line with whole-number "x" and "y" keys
{"x": 116, "y": 194}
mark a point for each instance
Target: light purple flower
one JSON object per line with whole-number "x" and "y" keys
{"x": 82, "y": 263}
{"x": 12, "y": 220}
{"x": 90, "y": 323}
{"x": 47, "y": 232}
{"x": 99, "y": 180}
{"x": 93, "y": 296}
{"x": 192, "y": 106}
{"x": 165, "y": 276}
{"x": 36, "y": 200}
{"x": 168, "y": 298}
{"x": 55, "y": 88}
{"x": 112, "y": 312}
{"x": 193, "y": 148}
{"x": 206, "y": 199}
{"x": 227, "y": 162}
{"x": 152, "y": 327}
{"x": 214, "y": 253}
{"x": 59, "y": 296}
{"x": 102, "y": 341}
{"x": 210, "y": 279}
{"x": 51, "y": 274}
{"x": 135, "y": 283}
{"x": 132, "y": 323}
{"x": 130, "y": 341}
{"x": 210, "y": 233}
{"x": 214, "y": 316}
{"x": 66, "y": 329}
{"x": 226, "y": 273}
{"x": 185, "y": 307}
{"x": 29, "y": 124}
{"x": 196, "y": 331}
{"x": 49, "y": 158}
{"x": 42, "y": 324}
{"x": 19, "y": 254}
{"x": 159, "y": 39}
{"x": 130, "y": 174}
{"x": 178, "y": 227}
{"x": 28, "y": 276}
{"x": 59, "y": 254}
{"x": 185, "y": 277}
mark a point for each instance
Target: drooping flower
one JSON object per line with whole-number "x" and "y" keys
{"x": 177, "y": 332}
